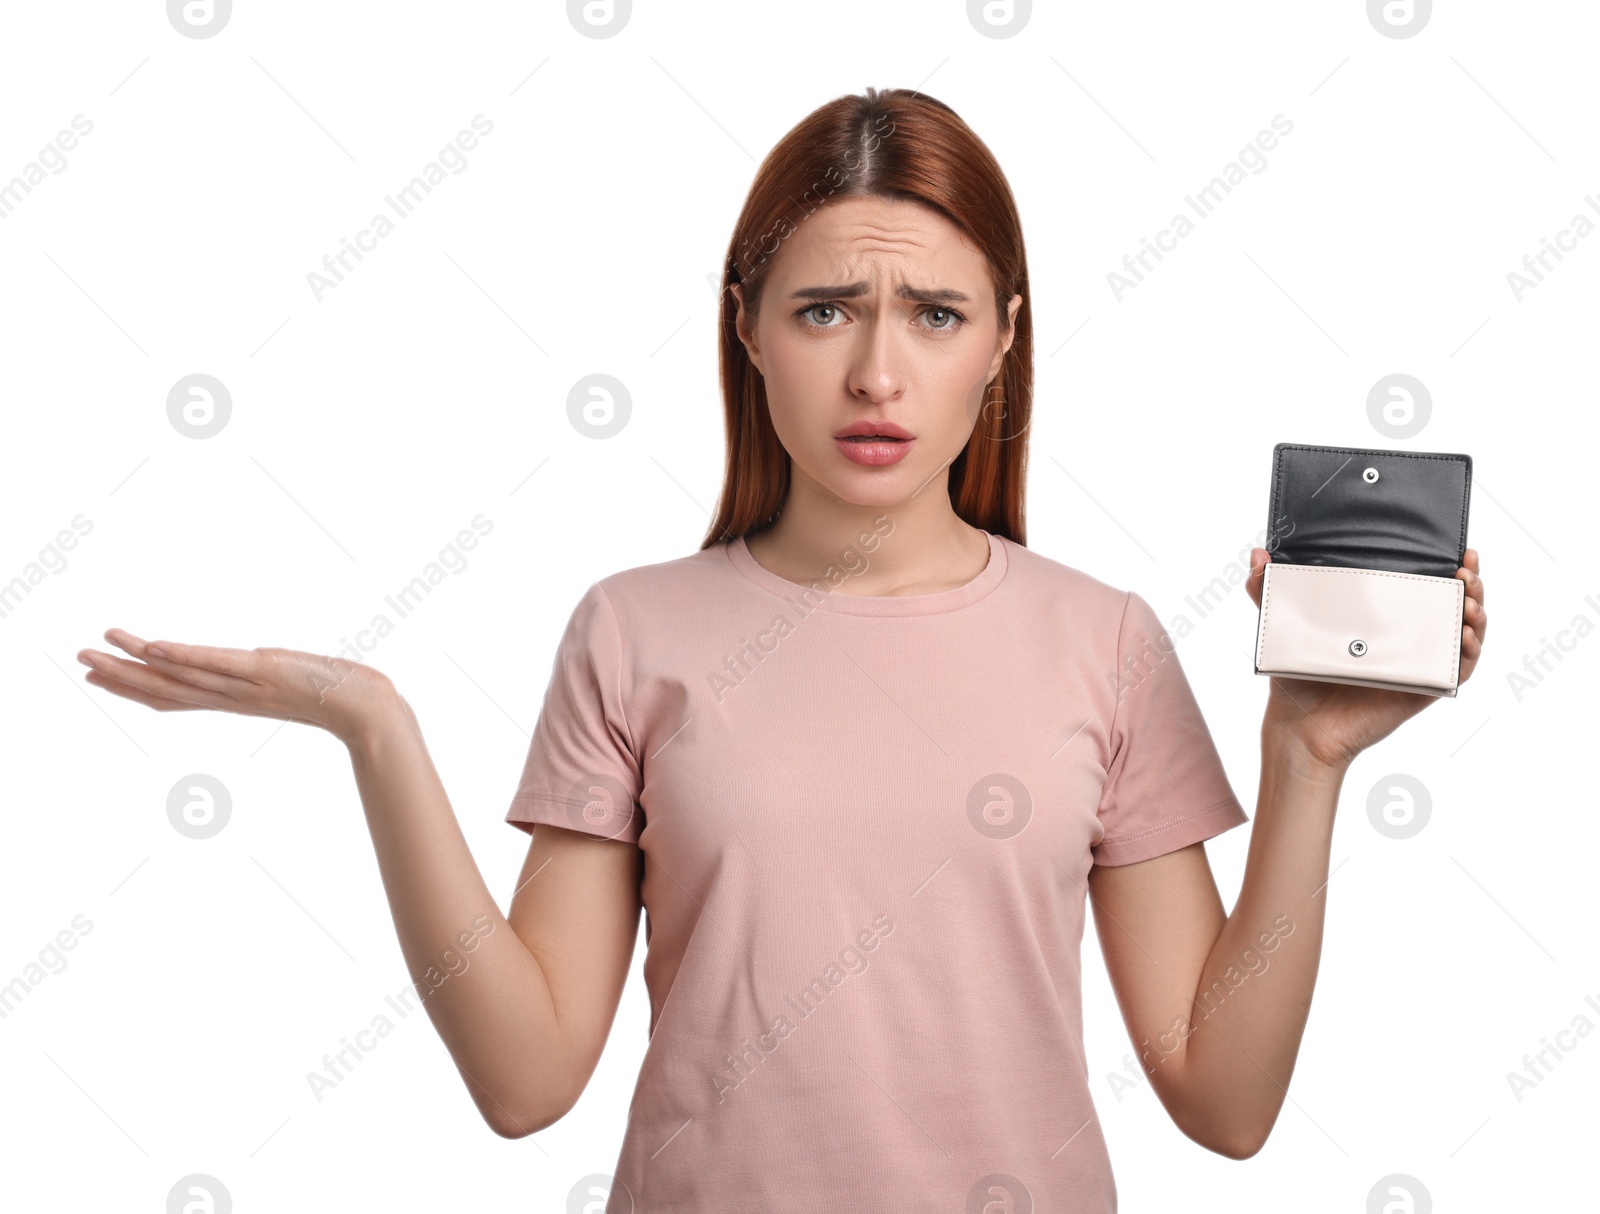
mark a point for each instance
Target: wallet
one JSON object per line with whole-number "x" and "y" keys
{"x": 1361, "y": 587}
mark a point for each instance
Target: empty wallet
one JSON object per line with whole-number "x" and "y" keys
{"x": 1361, "y": 587}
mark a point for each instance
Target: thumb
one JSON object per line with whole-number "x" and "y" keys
{"x": 1258, "y": 564}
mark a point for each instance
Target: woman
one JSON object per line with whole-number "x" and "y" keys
{"x": 860, "y": 757}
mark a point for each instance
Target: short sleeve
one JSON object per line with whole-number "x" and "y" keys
{"x": 582, "y": 771}
{"x": 1165, "y": 787}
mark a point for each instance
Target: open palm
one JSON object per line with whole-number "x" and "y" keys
{"x": 330, "y": 693}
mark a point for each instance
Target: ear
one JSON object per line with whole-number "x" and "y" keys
{"x": 1008, "y": 337}
{"x": 741, "y": 322}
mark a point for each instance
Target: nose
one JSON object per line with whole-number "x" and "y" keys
{"x": 877, "y": 364}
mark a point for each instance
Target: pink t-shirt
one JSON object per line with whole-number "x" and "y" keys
{"x": 867, "y": 823}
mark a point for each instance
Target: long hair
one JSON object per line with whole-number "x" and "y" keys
{"x": 901, "y": 144}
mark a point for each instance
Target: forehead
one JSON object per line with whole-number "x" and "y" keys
{"x": 891, "y": 237}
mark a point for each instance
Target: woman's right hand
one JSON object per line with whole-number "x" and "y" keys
{"x": 340, "y": 696}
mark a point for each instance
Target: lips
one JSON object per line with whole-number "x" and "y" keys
{"x": 874, "y": 451}
{"x": 876, "y": 431}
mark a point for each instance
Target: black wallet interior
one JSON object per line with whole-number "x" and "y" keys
{"x": 1361, "y": 508}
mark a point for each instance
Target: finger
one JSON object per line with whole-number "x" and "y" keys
{"x": 1258, "y": 572}
{"x": 151, "y": 681}
{"x": 1471, "y": 645}
{"x": 224, "y": 684}
{"x": 244, "y": 664}
{"x": 200, "y": 665}
{"x": 159, "y": 703}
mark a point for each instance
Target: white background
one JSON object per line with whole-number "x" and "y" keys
{"x": 430, "y": 386}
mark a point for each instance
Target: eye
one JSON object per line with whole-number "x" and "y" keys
{"x": 959, "y": 319}
{"x": 803, "y": 314}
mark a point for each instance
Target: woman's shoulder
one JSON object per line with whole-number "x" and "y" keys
{"x": 653, "y": 585}
{"x": 1054, "y": 580}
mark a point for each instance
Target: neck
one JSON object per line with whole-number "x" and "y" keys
{"x": 918, "y": 546}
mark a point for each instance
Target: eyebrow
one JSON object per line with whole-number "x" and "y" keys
{"x": 927, "y": 295}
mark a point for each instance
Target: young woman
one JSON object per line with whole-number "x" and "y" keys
{"x": 860, "y": 758}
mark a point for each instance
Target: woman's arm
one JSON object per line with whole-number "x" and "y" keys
{"x": 524, "y": 1005}
{"x": 526, "y": 1013}
{"x": 1217, "y": 1004}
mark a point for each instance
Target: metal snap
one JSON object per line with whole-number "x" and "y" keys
{"x": 1357, "y": 648}
{"x": 1370, "y": 475}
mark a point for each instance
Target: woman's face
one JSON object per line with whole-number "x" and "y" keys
{"x": 876, "y": 310}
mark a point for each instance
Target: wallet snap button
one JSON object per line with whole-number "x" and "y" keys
{"x": 1370, "y": 475}
{"x": 1357, "y": 648}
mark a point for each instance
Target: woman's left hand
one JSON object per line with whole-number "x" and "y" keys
{"x": 1337, "y": 721}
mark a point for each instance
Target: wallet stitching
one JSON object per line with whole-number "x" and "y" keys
{"x": 1266, "y": 595}
{"x": 1466, "y": 485}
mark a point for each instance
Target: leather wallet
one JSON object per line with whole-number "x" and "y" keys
{"x": 1361, "y": 587}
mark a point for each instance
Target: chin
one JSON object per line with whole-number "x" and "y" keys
{"x": 881, "y": 488}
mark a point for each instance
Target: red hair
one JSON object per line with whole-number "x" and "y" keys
{"x": 902, "y": 144}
